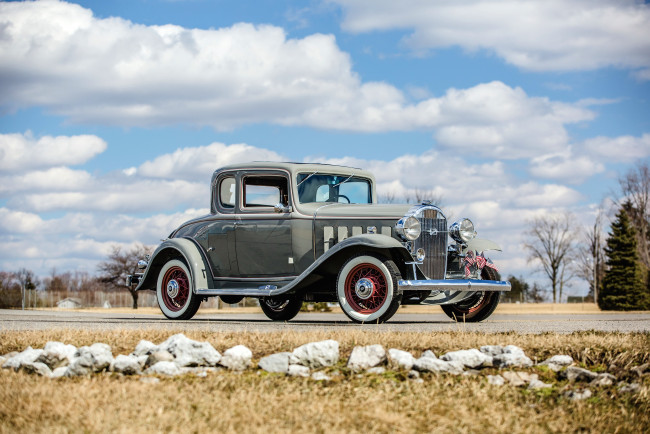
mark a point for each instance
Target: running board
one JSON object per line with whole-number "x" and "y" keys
{"x": 262, "y": 291}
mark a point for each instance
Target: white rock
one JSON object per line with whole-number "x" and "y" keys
{"x": 164, "y": 368}
{"x": 316, "y": 354}
{"x": 472, "y": 358}
{"x": 237, "y": 358}
{"x": 603, "y": 379}
{"x": 629, "y": 388}
{"x": 103, "y": 356}
{"x": 157, "y": 356}
{"x": 538, "y": 384}
{"x": 364, "y": 357}
{"x": 492, "y": 350}
{"x": 57, "y": 354}
{"x": 320, "y": 376}
{"x": 496, "y": 380}
{"x": 574, "y": 373}
{"x": 511, "y": 356}
{"x": 36, "y": 368}
{"x": 29, "y": 355}
{"x": 519, "y": 378}
{"x": 3, "y": 359}
{"x": 144, "y": 348}
{"x": 429, "y": 353}
{"x": 298, "y": 371}
{"x": 87, "y": 360}
{"x": 59, "y": 372}
{"x": 577, "y": 395}
{"x": 377, "y": 370}
{"x": 556, "y": 363}
{"x": 413, "y": 374}
{"x": 127, "y": 365}
{"x": 429, "y": 364}
{"x": 399, "y": 359}
{"x": 188, "y": 352}
{"x": 278, "y": 362}
{"x": 142, "y": 360}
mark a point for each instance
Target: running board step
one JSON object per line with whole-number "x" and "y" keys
{"x": 262, "y": 291}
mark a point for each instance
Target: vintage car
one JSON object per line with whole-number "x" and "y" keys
{"x": 286, "y": 233}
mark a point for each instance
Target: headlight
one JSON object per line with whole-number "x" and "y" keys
{"x": 462, "y": 231}
{"x": 408, "y": 228}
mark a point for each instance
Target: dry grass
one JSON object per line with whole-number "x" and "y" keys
{"x": 258, "y": 402}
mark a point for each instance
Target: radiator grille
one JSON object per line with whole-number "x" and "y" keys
{"x": 434, "y": 242}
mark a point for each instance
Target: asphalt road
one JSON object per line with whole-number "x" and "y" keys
{"x": 521, "y": 323}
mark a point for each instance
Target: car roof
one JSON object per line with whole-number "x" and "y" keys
{"x": 295, "y": 168}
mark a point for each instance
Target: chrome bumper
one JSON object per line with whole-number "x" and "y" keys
{"x": 464, "y": 285}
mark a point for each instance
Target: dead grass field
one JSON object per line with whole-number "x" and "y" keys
{"x": 259, "y": 402}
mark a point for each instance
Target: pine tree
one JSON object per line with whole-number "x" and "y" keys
{"x": 623, "y": 284}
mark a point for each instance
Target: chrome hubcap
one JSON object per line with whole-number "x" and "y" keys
{"x": 364, "y": 288}
{"x": 172, "y": 288}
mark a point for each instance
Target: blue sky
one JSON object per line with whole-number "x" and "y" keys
{"x": 114, "y": 114}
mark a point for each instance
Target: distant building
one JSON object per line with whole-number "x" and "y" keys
{"x": 69, "y": 303}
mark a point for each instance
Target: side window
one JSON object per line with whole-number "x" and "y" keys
{"x": 227, "y": 192}
{"x": 264, "y": 191}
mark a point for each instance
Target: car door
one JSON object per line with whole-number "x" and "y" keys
{"x": 263, "y": 235}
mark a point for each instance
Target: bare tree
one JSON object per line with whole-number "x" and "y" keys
{"x": 591, "y": 257}
{"x": 388, "y": 197}
{"x": 28, "y": 282}
{"x": 551, "y": 241}
{"x": 635, "y": 188}
{"x": 120, "y": 263}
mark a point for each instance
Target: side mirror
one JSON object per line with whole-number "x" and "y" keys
{"x": 282, "y": 209}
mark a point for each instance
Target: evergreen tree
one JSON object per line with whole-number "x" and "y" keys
{"x": 623, "y": 284}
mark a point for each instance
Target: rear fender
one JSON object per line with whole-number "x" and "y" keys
{"x": 176, "y": 248}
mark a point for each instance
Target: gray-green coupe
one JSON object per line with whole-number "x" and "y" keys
{"x": 286, "y": 233}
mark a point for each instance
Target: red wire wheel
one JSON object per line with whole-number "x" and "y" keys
{"x": 366, "y": 289}
{"x": 175, "y": 289}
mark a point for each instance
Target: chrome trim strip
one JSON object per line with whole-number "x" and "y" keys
{"x": 463, "y": 285}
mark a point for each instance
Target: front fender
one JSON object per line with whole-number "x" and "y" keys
{"x": 480, "y": 245}
{"x": 174, "y": 248}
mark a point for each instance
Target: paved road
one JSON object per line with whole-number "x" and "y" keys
{"x": 524, "y": 323}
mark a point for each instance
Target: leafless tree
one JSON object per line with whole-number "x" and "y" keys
{"x": 388, "y": 197}
{"x": 591, "y": 257}
{"x": 635, "y": 188}
{"x": 120, "y": 263}
{"x": 28, "y": 282}
{"x": 551, "y": 242}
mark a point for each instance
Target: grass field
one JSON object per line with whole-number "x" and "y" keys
{"x": 259, "y": 402}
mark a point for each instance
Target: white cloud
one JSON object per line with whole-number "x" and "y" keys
{"x": 21, "y": 152}
{"x": 566, "y": 166}
{"x": 542, "y": 35}
{"x": 111, "y": 71}
{"x": 622, "y": 149}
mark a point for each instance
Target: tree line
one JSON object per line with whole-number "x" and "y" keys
{"x": 616, "y": 265}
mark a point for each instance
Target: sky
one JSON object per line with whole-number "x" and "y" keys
{"x": 113, "y": 115}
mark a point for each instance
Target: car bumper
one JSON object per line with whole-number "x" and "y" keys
{"x": 462, "y": 285}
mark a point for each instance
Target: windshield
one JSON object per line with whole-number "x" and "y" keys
{"x": 318, "y": 187}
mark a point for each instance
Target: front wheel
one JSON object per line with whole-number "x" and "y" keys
{"x": 174, "y": 291}
{"x": 367, "y": 288}
{"x": 280, "y": 309}
{"x": 477, "y": 307}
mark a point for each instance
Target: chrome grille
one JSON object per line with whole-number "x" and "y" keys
{"x": 434, "y": 242}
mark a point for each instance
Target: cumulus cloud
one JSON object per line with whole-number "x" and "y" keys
{"x": 565, "y": 166}
{"x": 625, "y": 149}
{"x": 21, "y": 152}
{"x": 58, "y": 55}
{"x": 540, "y": 35}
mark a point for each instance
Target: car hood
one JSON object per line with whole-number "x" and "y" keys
{"x": 339, "y": 210}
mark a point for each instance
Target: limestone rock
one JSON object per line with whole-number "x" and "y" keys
{"x": 399, "y": 359}
{"x": 366, "y": 357}
{"x": 144, "y": 348}
{"x": 377, "y": 370}
{"x": 127, "y": 365}
{"x": 316, "y": 354}
{"x": 320, "y": 376}
{"x": 557, "y": 362}
{"x": 507, "y": 357}
{"x": 496, "y": 380}
{"x": 428, "y": 353}
{"x": 413, "y": 374}
{"x": 577, "y": 395}
{"x": 36, "y": 368}
{"x": 29, "y": 355}
{"x": 164, "y": 368}
{"x": 472, "y": 358}
{"x": 519, "y": 378}
{"x": 574, "y": 373}
{"x": 629, "y": 388}
{"x": 603, "y": 379}
{"x": 87, "y": 360}
{"x": 278, "y": 362}
{"x": 57, "y": 354}
{"x": 429, "y": 364}
{"x": 237, "y": 358}
{"x": 157, "y": 356}
{"x": 298, "y": 371}
{"x": 538, "y": 384}
{"x": 641, "y": 370}
{"x": 188, "y": 352}
{"x": 59, "y": 372}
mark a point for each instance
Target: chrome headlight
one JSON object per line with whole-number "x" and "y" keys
{"x": 462, "y": 231}
{"x": 408, "y": 228}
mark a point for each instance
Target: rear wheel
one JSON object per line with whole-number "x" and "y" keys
{"x": 280, "y": 309}
{"x": 174, "y": 291}
{"x": 367, "y": 288}
{"x": 479, "y": 306}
